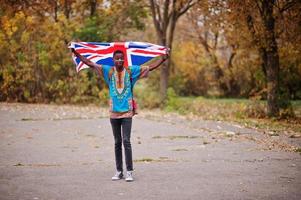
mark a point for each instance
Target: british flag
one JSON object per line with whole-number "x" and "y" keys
{"x": 136, "y": 53}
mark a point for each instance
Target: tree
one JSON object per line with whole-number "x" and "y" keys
{"x": 261, "y": 17}
{"x": 207, "y": 20}
{"x": 35, "y": 64}
{"x": 165, "y": 14}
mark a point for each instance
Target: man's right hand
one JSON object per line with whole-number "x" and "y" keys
{"x": 166, "y": 56}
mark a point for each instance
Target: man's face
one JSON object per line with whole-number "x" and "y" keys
{"x": 118, "y": 60}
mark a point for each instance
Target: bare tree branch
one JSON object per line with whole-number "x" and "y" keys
{"x": 203, "y": 40}
{"x": 188, "y": 5}
{"x": 259, "y": 7}
{"x": 287, "y": 6}
{"x": 250, "y": 25}
{"x": 155, "y": 20}
{"x": 158, "y": 13}
{"x": 165, "y": 15}
{"x": 216, "y": 35}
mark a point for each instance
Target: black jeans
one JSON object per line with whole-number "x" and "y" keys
{"x": 124, "y": 124}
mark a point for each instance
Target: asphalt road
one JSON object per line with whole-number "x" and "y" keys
{"x": 66, "y": 152}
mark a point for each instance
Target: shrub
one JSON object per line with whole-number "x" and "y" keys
{"x": 255, "y": 109}
{"x": 146, "y": 96}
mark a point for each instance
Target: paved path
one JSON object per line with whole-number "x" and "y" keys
{"x": 66, "y": 152}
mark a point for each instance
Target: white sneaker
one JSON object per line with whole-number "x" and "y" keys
{"x": 129, "y": 176}
{"x": 117, "y": 176}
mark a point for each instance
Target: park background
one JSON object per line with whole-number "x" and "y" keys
{"x": 230, "y": 60}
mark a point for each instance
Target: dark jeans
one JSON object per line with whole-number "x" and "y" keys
{"x": 124, "y": 125}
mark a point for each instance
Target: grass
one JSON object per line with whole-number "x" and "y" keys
{"x": 149, "y": 160}
{"x": 57, "y": 119}
{"x": 173, "y": 137}
{"x": 244, "y": 111}
{"x": 179, "y": 150}
{"x": 18, "y": 165}
{"x": 272, "y": 125}
{"x": 144, "y": 160}
{"x": 298, "y": 150}
{"x": 206, "y": 142}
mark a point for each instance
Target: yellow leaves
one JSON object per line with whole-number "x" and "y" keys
{"x": 7, "y": 75}
{"x": 25, "y": 37}
{"x": 2, "y": 44}
{"x": 6, "y": 26}
{"x": 30, "y": 20}
{"x": 186, "y": 57}
{"x": 19, "y": 16}
{"x": 43, "y": 58}
{"x": 11, "y": 25}
{"x": 62, "y": 19}
{"x": 56, "y": 67}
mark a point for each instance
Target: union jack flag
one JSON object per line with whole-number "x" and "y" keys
{"x": 136, "y": 53}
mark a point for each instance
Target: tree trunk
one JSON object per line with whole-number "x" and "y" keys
{"x": 263, "y": 54}
{"x": 55, "y": 10}
{"x": 93, "y": 5}
{"x": 273, "y": 83}
{"x": 272, "y": 58}
{"x": 164, "y": 74}
{"x": 67, "y": 8}
{"x": 165, "y": 15}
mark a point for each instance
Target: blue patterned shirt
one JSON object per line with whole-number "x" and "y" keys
{"x": 120, "y": 87}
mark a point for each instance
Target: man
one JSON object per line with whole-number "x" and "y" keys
{"x": 121, "y": 80}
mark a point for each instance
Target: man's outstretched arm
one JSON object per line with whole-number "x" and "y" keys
{"x": 88, "y": 62}
{"x": 158, "y": 62}
{"x": 85, "y": 60}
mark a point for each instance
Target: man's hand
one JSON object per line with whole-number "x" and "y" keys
{"x": 157, "y": 63}
{"x": 166, "y": 56}
{"x": 86, "y": 61}
{"x": 72, "y": 49}
{"x": 75, "y": 52}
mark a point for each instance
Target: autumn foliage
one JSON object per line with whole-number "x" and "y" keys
{"x": 218, "y": 50}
